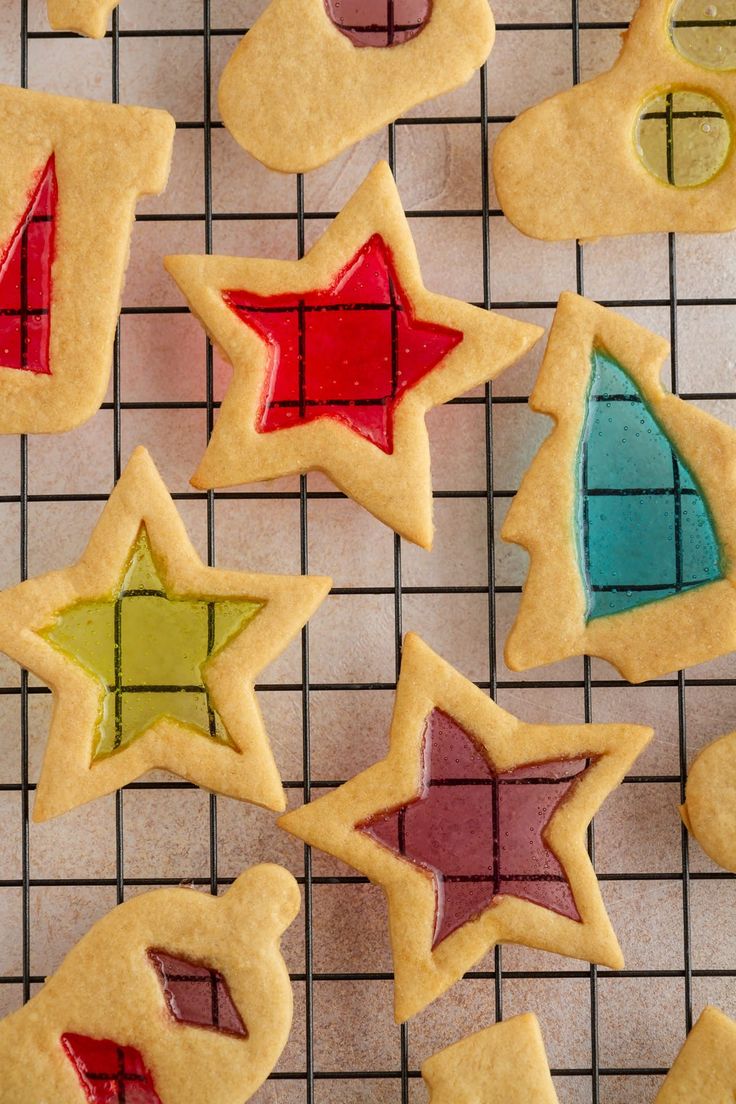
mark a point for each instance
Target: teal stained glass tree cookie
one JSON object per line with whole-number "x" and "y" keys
{"x": 626, "y": 510}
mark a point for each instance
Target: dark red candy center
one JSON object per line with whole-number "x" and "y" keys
{"x": 481, "y": 834}
{"x": 379, "y": 22}
{"x": 197, "y": 995}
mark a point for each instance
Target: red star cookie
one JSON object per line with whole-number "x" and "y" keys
{"x": 339, "y": 356}
{"x": 475, "y": 826}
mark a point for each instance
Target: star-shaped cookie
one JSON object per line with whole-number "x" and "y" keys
{"x": 152, "y": 656}
{"x": 504, "y": 1064}
{"x": 339, "y": 356}
{"x": 475, "y": 827}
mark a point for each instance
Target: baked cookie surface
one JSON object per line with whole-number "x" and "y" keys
{"x": 474, "y": 825}
{"x": 339, "y": 356}
{"x": 86, "y": 17}
{"x": 152, "y": 656}
{"x": 312, "y": 77}
{"x": 709, "y": 811}
{"x": 69, "y": 180}
{"x": 169, "y": 992}
{"x": 645, "y": 148}
{"x": 705, "y": 1069}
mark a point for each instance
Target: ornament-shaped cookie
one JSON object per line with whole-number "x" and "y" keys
{"x": 646, "y": 147}
{"x": 152, "y": 656}
{"x": 626, "y": 510}
{"x": 339, "y": 356}
{"x": 709, "y": 811}
{"x": 475, "y": 827}
{"x": 705, "y": 1069}
{"x": 505, "y": 1064}
{"x": 86, "y": 17}
{"x": 312, "y": 77}
{"x": 175, "y": 997}
{"x": 70, "y": 175}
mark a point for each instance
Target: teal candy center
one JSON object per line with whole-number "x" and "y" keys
{"x": 644, "y": 528}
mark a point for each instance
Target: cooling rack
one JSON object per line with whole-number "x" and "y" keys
{"x": 610, "y": 1037}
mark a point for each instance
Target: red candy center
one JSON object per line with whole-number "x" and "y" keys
{"x": 479, "y": 833}
{"x": 379, "y": 22}
{"x": 25, "y": 281}
{"x": 109, "y": 1073}
{"x": 349, "y": 352}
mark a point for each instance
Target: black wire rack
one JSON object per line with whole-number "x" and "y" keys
{"x": 310, "y": 1079}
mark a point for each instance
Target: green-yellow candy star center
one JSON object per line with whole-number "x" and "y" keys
{"x": 149, "y": 650}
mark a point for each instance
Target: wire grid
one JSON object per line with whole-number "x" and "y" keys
{"x": 595, "y": 1072}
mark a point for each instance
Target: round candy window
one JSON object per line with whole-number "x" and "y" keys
{"x": 705, "y": 32}
{"x": 683, "y": 137}
{"x": 379, "y": 22}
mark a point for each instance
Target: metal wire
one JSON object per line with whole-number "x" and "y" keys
{"x": 492, "y": 494}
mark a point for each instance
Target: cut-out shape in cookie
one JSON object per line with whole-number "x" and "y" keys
{"x": 101, "y": 1029}
{"x": 339, "y": 356}
{"x": 150, "y": 650}
{"x": 25, "y": 281}
{"x": 312, "y": 77}
{"x": 86, "y": 17}
{"x": 663, "y": 161}
{"x": 625, "y": 510}
{"x": 705, "y": 1068}
{"x": 152, "y": 656}
{"x": 504, "y": 1064}
{"x": 197, "y": 995}
{"x": 480, "y": 832}
{"x": 109, "y": 1073}
{"x": 69, "y": 180}
{"x": 465, "y": 870}
{"x": 709, "y": 811}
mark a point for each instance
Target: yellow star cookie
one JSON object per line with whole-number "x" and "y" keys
{"x": 339, "y": 356}
{"x": 152, "y": 656}
{"x": 626, "y": 510}
{"x": 175, "y": 997}
{"x": 475, "y": 827}
{"x": 87, "y": 17}
{"x": 705, "y": 1069}
{"x": 644, "y": 148}
{"x": 505, "y": 1064}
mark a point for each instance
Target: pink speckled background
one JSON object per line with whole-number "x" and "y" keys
{"x": 640, "y": 1018}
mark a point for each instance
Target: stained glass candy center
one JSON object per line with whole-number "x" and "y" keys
{"x": 480, "y": 833}
{"x": 197, "y": 995}
{"x": 25, "y": 281}
{"x": 109, "y": 1073}
{"x": 379, "y": 22}
{"x": 149, "y": 651}
{"x": 349, "y": 352}
{"x": 644, "y": 528}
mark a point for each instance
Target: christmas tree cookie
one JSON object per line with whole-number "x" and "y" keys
{"x": 339, "y": 356}
{"x": 505, "y": 1064}
{"x": 175, "y": 997}
{"x": 87, "y": 17}
{"x": 626, "y": 511}
{"x": 475, "y": 827}
{"x": 312, "y": 77}
{"x": 644, "y": 148}
{"x": 152, "y": 656}
{"x": 70, "y": 175}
